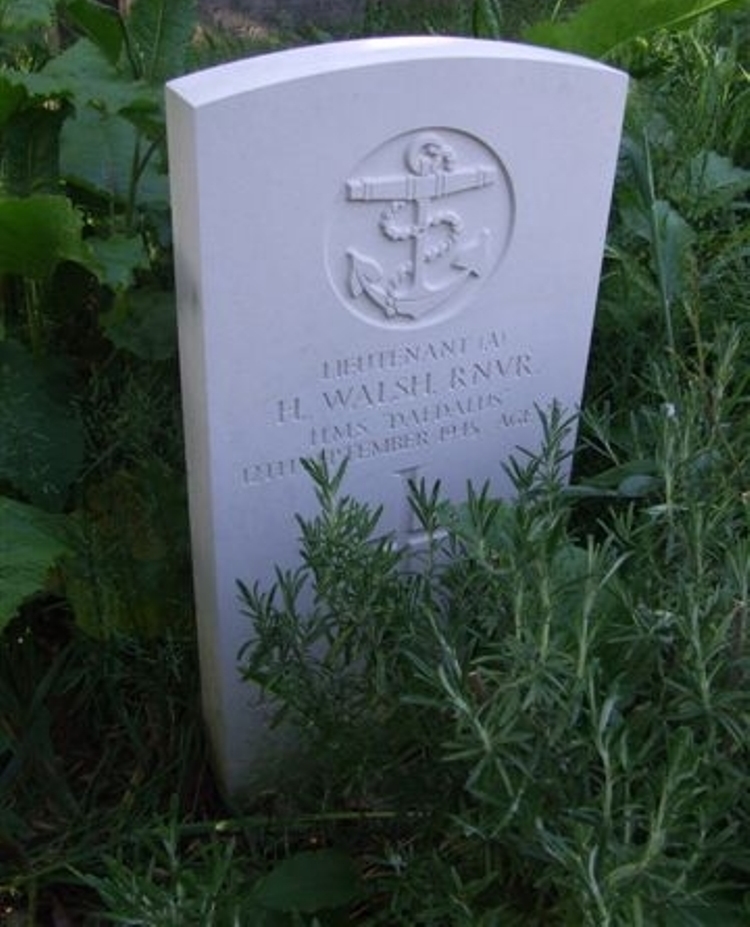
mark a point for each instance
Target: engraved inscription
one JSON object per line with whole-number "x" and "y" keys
{"x": 410, "y": 397}
{"x": 424, "y": 221}
{"x": 289, "y": 411}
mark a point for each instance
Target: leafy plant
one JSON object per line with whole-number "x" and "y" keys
{"x": 677, "y": 250}
{"x": 598, "y": 27}
{"x": 86, "y": 284}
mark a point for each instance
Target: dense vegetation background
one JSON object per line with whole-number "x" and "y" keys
{"x": 546, "y": 720}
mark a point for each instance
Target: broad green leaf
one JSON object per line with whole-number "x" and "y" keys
{"x": 310, "y": 881}
{"x": 99, "y": 23}
{"x": 117, "y": 258}
{"x": 83, "y": 75}
{"x": 672, "y": 238}
{"x": 160, "y": 32}
{"x": 656, "y": 221}
{"x": 22, "y": 15}
{"x": 616, "y": 477}
{"x": 599, "y": 26}
{"x": 713, "y": 180}
{"x": 97, "y": 151}
{"x": 143, "y": 322}
{"x": 635, "y": 219}
{"x": 41, "y": 436}
{"x": 37, "y": 232}
{"x": 31, "y": 543}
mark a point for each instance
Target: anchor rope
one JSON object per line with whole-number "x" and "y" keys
{"x": 395, "y": 232}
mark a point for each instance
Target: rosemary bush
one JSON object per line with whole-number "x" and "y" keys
{"x": 564, "y": 705}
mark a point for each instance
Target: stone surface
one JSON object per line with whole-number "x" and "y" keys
{"x": 387, "y": 250}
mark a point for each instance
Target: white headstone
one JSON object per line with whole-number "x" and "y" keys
{"x": 388, "y": 250}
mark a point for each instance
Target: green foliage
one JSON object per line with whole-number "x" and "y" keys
{"x": 308, "y": 882}
{"x": 657, "y": 223}
{"x": 486, "y": 19}
{"x": 588, "y": 717}
{"x": 162, "y": 885}
{"x": 100, "y": 24}
{"x": 82, "y": 74}
{"x": 127, "y": 566}
{"x": 677, "y": 248}
{"x": 144, "y": 324}
{"x": 117, "y": 811}
{"x": 209, "y": 884}
{"x": 347, "y": 573}
{"x": 42, "y": 446}
{"x": 31, "y": 545}
{"x": 159, "y": 32}
{"x": 36, "y": 233}
{"x": 22, "y": 15}
{"x": 94, "y": 111}
{"x": 100, "y": 743}
{"x": 600, "y": 26}
{"x": 86, "y": 290}
{"x": 480, "y": 18}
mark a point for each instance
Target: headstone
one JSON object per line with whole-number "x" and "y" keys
{"x": 387, "y": 251}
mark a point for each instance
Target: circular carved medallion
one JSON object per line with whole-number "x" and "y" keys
{"x": 421, "y": 226}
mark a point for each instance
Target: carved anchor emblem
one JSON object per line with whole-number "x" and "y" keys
{"x": 436, "y": 236}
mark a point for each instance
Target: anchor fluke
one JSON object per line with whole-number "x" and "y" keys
{"x": 363, "y": 272}
{"x": 472, "y": 258}
{"x": 363, "y": 278}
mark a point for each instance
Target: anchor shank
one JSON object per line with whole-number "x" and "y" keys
{"x": 421, "y": 219}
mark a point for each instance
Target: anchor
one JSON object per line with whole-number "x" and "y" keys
{"x": 409, "y": 293}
